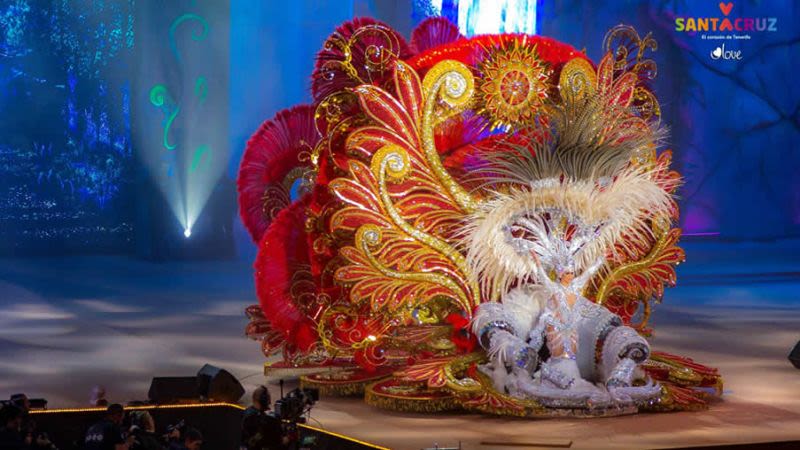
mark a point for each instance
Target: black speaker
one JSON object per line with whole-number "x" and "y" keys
{"x": 173, "y": 390}
{"x": 794, "y": 356}
{"x": 38, "y": 403}
{"x": 218, "y": 385}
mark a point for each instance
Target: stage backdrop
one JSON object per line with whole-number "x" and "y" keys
{"x": 70, "y": 175}
{"x": 66, "y": 160}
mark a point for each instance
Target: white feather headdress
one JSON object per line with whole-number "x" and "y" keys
{"x": 569, "y": 197}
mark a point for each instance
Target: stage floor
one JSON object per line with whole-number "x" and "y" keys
{"x": 67, "y": 324}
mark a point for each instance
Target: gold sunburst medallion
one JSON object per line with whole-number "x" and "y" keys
{"x": 514, "y": 85}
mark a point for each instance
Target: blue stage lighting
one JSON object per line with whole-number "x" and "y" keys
{"x": 489, "y": 16}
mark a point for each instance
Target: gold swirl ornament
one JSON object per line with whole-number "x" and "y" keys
{"x": 369, "y": 236}
{"x": 453, "y": 81}
{"x": 577, "y": 80}
{"x": 393, "y": 160}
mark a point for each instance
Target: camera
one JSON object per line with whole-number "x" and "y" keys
{"x": 278, "y": 429}
{"x": 294, "y": 404}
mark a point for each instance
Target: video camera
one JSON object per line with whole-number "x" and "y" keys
{"x": 294, "y": 404}
{"x": 175, "y": 432}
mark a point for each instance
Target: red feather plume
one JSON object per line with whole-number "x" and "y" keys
{"x": 282, "y": 252}
{"x": 269, "y": 157}
{"x": 433, "y": 32}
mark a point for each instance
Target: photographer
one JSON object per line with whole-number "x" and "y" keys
{"x": 260, "y": 429}
{"x": 40, "y": 441}
{"x": 10, "y": 428}
{"x": 143, "y": 430}
{"x": 27, "y": 426}
{"x": 34, "y": 439}
{"x": 173, "y": 436}
{"x": 191, "y": 439}
{"x": 107, "y": 434}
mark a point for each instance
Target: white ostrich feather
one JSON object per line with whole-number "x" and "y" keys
{"x": 504, "y": 348}
{"x": 524, "y": 305}
{"x": 576, "y": 171}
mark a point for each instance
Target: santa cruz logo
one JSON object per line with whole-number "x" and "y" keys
{"x": 721, "y": 24}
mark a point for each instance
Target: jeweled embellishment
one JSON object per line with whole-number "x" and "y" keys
{"x": 513, "y": 85}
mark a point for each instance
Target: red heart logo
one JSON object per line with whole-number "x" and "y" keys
{"x": 726, "y": 8}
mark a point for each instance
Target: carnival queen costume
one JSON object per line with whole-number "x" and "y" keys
{"x": 470, "y": 223}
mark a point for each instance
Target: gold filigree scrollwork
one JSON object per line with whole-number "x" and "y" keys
{"x": 333, "y": 109}
{"x": 643, "y": 280}
{"x": 344, "y": 320}
{"x": 646, "y": 104}
{"x": 454, "y": 82}
{"x": 629, "y": 51}
{"x": 377, "y": 57}
{"x": 274, "y": 199}
{"x": 394, "y": 162}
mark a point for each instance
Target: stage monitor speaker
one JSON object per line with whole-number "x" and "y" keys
{"x": 218, "y": 385}
{"x": 38, "y": 403}
{"x": 794, "y": 356}
{"x": 173, "y": 390}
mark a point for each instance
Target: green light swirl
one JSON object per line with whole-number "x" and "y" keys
{"x": 159, "y": 96}
{"x": 195, "y": 35}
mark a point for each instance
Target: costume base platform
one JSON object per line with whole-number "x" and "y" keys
{"x": 732, "y": 421}
{"x": 761, "y": 402}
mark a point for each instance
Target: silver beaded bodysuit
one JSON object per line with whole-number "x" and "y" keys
{"x": 514, "y": 331}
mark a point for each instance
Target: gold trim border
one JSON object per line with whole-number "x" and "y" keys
{"x": 341, "y": 388}
{"x": 426, "y": 404}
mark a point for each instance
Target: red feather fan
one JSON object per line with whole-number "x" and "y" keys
{"x": 373, "y": 48}
{"x": 433, "y": 32}
{"x": 266, "y": 172}
{"x": 282, "y": 252}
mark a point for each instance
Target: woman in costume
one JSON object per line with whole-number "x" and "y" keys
{"x": 565, "y": 198}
